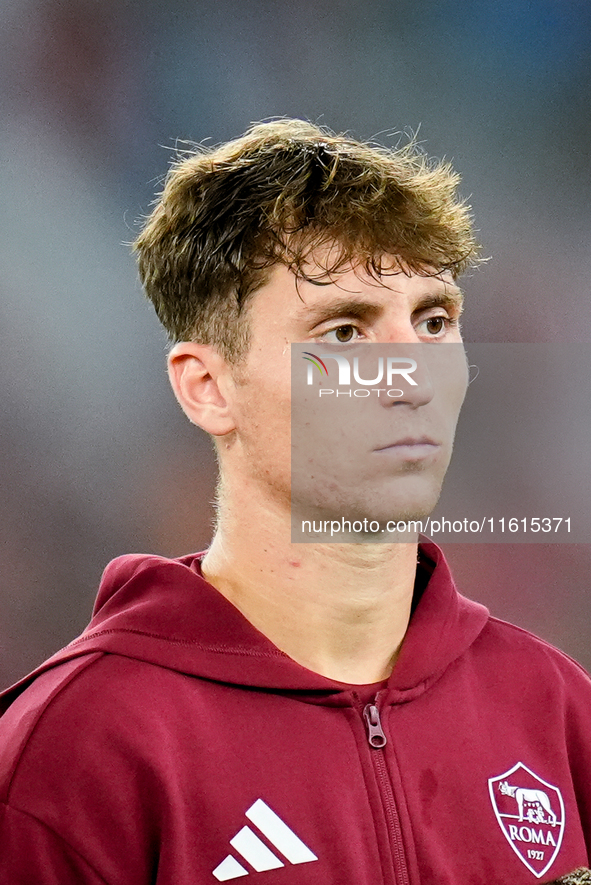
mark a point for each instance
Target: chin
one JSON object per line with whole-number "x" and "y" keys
{"x": 404, "y": 498}
{"x": 415, "y": 502}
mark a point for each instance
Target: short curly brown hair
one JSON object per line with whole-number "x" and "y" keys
{"x": 277, "y": 195}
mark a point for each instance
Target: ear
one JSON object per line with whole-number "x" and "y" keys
{"x": 200, "y": 377}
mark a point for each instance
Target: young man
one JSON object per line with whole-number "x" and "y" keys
{"x": 297, "y": 713}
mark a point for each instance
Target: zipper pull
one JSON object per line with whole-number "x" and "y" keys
{"x": 375, "y": 733}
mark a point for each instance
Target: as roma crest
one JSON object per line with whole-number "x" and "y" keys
{"x": 530, "y": 813}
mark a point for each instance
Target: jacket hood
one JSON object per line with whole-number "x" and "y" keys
{"x": 162, "y": 611}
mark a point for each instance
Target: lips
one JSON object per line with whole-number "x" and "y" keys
{"x": 410, "y": 442}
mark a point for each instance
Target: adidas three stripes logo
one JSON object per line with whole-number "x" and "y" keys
{"x": 255, "y": 852}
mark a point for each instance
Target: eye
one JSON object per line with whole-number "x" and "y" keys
{"x": 435, "y": 325}
{"x": 341, "y": 335}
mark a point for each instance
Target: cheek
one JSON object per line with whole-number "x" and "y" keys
{"x": 263, "y": 417}
{"x": 452, "y": 385}
{"x": 457, "y": 394}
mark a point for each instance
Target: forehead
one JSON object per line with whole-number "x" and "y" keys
{"x": 354, "y": 289}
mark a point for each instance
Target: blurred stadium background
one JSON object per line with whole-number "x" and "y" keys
{"x": 96, "y": 458}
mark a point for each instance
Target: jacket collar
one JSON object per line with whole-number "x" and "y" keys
{"x": 162, "y": 611}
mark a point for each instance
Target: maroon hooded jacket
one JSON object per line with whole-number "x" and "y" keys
{"x": 173, "y": 744}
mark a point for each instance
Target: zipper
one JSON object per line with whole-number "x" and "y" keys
{"x": 377, "y": 740}
{"x": 375, "y": 732}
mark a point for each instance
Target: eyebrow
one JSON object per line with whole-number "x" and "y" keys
{"x": 361, "y": 308}
{"x": 453, "y": 298}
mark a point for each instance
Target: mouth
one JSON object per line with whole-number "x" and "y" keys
{"x": 409, "y": 441}
{"x": 414, "y": 448}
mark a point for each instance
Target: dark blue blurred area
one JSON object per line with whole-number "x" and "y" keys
{"x": 97, "y": 460}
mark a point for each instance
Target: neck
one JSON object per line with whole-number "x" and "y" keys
{"x": 340, "y": 610}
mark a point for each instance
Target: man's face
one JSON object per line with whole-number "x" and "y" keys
{"x": 375, "y": 457}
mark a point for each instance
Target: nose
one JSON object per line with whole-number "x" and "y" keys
{"x": 398, "y": 330}
{"x": 409, "y": 375}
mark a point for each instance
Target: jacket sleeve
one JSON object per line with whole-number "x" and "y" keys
{"x": 32, "y": 854}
